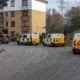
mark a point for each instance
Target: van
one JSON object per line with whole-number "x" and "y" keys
{"x": 76, "y": 43}
{"x": 28, "y": 39}
{"x": 54, "y": 39}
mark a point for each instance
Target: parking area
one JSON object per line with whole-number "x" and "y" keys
{"x": 22, "y": 62}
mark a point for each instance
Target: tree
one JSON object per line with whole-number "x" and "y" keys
{"x": 73, "y": 21}
{"x": 57, "y": 21}
{"x": 48, "y": 17}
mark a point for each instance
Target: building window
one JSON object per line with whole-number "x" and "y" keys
{"x": 1, "y": 15}
{"x": 12, "y": 3}
{"x": 24, "y": 2}
{"x": 12, "y": 33}
{"x": 12, "y": 13}
{"x": 1, "y": 6}
{"x": 7, "y": 23}
{"x": 1, "y": 24}
{"x": 12, "y": 23}
{"x": 6, "y": 13}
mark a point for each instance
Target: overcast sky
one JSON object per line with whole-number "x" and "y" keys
{"x": 55, "y": 4}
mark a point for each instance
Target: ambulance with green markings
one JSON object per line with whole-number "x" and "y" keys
{"x": 54, "y": 39}
{"x": 28, "y": 39}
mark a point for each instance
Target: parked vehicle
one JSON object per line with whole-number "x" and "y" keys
{"x": 28, "y": 39}
{"x": 35, "y": 39}
{"x": 4, "y": 38}
{"x": 76, "y": 43}
{"x": 54, "y": 39}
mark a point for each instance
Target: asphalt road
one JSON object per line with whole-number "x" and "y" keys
{"x": 38, "y": 63}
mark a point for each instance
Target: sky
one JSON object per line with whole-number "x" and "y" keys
{"x": 55, "y": 4}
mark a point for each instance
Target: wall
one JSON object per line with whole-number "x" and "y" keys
{"x": 17, "y": 20}
{"x": 32, "y": 5}
{"x": 37, "y": 16}
{"x": 38, "y": 21}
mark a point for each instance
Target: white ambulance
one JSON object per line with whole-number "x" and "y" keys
{"x": 28, "y": 39}
{"x": 76, "y": 43}
{"x": 54, "y": 39}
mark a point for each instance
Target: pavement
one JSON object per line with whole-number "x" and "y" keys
{"x": 38, "y": 63}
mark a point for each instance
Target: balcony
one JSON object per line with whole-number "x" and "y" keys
{"x": 25, "y": 29}
{"x": 24, "y": 7}
{"x": 44, "y": 1}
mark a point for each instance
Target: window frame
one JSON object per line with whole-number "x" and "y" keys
{"x": 12, "y": 25}
{"x": 24, "y": 2}
{"x": 6, "y": 23}
{"x": 12, "y": 13}
{"x": 12, "y": 3}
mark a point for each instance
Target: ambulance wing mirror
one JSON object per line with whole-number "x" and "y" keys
{"x": 19, "y": 36}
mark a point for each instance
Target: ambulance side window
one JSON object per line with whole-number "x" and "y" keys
{"x": 49, "y": 36}
{"x": 25, "y": 36}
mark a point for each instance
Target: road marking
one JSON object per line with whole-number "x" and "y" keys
{"x": 2, "y": 51}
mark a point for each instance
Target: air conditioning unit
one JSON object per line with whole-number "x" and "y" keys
{"x": 24, "y": 7}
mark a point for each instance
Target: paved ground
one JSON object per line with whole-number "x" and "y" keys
{"x": 38, "y": 63}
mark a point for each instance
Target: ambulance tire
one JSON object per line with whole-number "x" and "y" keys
{"x": 18, "y": 42}
{"x": 30, "y": 43}
{"x": 7, "y": 42}
{"x": 63, "y": 45}
{"x": 74, "y": 51}
{"x": 44, "y": 44}
{"x": 36, "y": 44}
{"x": 52, "y": 45}
{"x": 2, "y": 42}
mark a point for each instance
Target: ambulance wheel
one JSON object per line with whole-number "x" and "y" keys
{"x": 52, "y": 44}
{"x": 36, "y": 44}
{"x": 44, "y": 44}
{"x": 63, "y": 45}
{"x": 18, "y": 43}
{"x": 30, "y": 43}
{"x": 7, "y": 42}
{"x": 2, "y": 42}
{"x": 74, "y": 51}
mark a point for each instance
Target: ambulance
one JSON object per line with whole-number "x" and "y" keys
{"x": 35, "y": 38}
{"x": 54, "y": 39}
{"x": 28, "y": 39}
{"x": 76, "y": 43}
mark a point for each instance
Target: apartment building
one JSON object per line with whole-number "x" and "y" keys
{"x": 25, "y": 16}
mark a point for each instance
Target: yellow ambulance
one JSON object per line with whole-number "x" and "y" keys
{"x": 76, "y": 43}
{"x": 54, "y": 39}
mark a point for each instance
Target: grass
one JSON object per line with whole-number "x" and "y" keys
{"x": 69, "y": 42}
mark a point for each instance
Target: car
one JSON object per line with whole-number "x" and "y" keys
{"x": 54, "y": 39}
{"x": 4, "y": 38}
{"x": 76, "y": 43}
